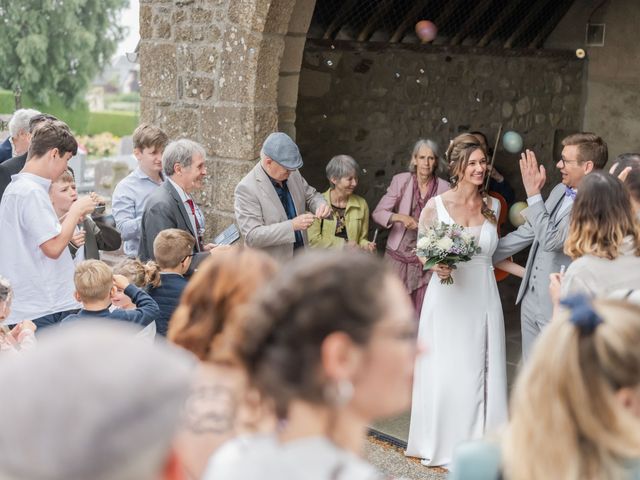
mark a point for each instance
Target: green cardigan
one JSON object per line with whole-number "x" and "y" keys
{"x": 322, "y": 233}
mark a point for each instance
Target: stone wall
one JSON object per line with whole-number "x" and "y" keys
{"x": 374, "y": 103}
{"x": 210, "y": 71}
{"x": 613, "y": 99}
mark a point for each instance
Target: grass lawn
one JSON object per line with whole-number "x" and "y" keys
{"x": 81, "y": 120}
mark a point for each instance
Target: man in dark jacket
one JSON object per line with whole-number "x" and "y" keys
{"x": 15, "y": 164}
{"x": 17, "y": 143}
{"x": 171, "y": 205}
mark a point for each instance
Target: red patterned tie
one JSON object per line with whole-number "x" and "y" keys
{"x": 193, "y": 211}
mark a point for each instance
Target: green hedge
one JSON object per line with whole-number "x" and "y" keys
{"x": 81, "y": 120}
{"x": 118, "y": 123}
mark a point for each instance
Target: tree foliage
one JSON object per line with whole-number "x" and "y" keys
{"x": 55, "y": 48}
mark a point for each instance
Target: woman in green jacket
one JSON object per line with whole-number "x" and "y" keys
{"x": 349, "y": 223}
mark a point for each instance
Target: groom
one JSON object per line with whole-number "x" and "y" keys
{"x": 546, "y": 227}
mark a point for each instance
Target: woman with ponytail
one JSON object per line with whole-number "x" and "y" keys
{"x": 575, "y": 407}
{"x": 460, "y": 389}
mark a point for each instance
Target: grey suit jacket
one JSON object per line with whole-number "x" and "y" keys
{"x": 261, "y": 217}
{"x": 97, "y": 237}
{"x": 164, "y": 209}
{"x": 546, "y": 231}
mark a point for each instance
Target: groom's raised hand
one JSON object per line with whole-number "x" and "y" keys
{"x": 534, "y": 176}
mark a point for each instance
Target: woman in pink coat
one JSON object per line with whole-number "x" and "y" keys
{"x": 400, "y": 209}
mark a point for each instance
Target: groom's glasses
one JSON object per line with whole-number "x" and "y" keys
{"x": 564, "y": 162}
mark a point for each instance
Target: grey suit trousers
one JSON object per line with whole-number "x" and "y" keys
{"x": 532, "y": 320}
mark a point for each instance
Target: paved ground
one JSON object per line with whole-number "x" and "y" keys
{"x": 391, "y": 461}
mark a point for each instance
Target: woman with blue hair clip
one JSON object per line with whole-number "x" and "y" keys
{"x": 575, "y": 407}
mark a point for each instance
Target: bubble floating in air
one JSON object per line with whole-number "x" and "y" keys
{"x": 330, "y": 63}
{"x": 445, "y": 120}
{"x": 333, "y": 47}
{"x": 397, "y": 75}
{"x": 324, "y": 116}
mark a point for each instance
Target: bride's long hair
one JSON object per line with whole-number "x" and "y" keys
{"x": 458, "y": 153}
{"x": 566, "y": 420}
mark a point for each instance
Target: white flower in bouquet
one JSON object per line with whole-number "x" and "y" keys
{"x": 448, "y": 244}
{"x": 424, "y": 243}
{"x": 444, "y": 244}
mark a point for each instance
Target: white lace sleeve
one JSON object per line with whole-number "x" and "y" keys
{"x": 495, "y": 206}
{"x": 428, "y": 216}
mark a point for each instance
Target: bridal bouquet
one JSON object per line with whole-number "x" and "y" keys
{"x": 448, "y": 244}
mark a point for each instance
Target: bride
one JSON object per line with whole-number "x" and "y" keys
{"x": 460, "y": 387}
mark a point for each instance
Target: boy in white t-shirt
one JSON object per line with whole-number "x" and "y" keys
{"x": 33, "y": 244}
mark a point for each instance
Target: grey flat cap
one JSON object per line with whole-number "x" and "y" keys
{"x": 91, "y": 402}
{"x": 279, "y": 147}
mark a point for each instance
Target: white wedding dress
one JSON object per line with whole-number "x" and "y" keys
{"x": 460, "y": 383}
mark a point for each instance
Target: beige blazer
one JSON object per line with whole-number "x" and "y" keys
{"x": 261, "y": 217}
{"x": 599, "y": 277}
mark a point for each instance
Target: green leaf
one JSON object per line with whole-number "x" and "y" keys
{"x": 432, "y": 262}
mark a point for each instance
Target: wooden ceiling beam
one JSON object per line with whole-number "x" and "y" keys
{"x": 476, "y": 14}
{"x": 372, "y": 23}
{"x": 409, "y": 19}
{"x": 445, "y": 14}
{"x": 499, "y": 22}
{"x": 338, "y": 20}
{"x": 551, "y": 24}
{"x": 527, "y": 21}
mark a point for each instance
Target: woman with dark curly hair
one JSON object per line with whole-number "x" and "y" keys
{"x": 332, "y": 341}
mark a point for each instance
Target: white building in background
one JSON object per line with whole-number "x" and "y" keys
{"x": 122, "y": 76}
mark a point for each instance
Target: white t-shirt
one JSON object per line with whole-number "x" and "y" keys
{"x": 41, "y": 285}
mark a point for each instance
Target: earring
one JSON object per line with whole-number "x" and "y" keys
{"x": 339, "y": 393}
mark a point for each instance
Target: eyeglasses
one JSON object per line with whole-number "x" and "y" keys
{"x": 565, "y": 162}
{"x": 188, "y": 256}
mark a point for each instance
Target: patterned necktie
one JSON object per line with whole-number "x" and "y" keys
{"x": 570, "y": 192}
{"x": 195, "y": 217}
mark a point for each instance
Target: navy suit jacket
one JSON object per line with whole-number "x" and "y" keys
{"x": 6, "y": 151}
{"x": 167, "y": 296}
{"x": 8, "y": 168}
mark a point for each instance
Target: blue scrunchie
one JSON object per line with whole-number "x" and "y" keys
{"x": 583, "y": 315}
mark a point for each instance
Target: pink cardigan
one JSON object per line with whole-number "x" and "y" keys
{"x": 398, "y": 200}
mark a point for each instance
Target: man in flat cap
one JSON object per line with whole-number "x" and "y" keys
{"x": 271, "y": 201}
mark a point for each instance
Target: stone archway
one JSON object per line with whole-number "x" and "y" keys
{"x": 224, "y": 73}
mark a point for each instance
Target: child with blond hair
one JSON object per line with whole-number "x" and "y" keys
{"x": 97, "y": 287}
{"x": 21, "y": 336}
